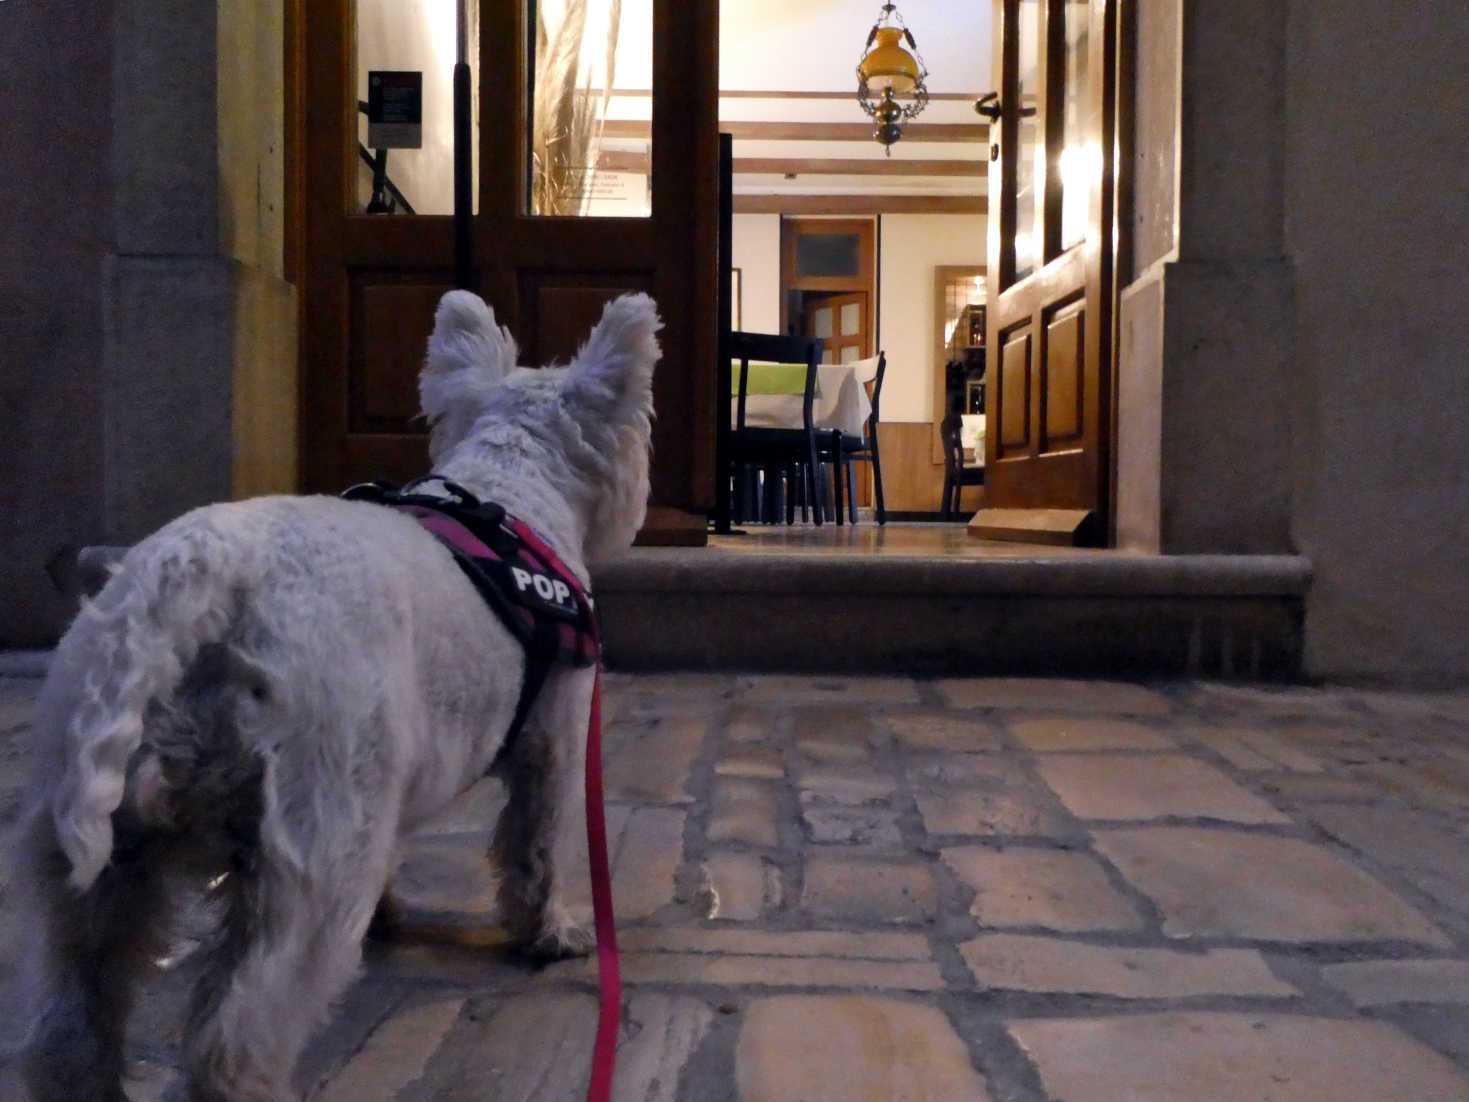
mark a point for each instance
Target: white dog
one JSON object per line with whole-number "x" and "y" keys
{"x": 276, "y": 688}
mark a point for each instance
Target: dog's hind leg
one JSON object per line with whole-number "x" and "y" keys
{"x": 98, "y": 944}
{"x": 296, "y": 912}
{"x": 540, "y": 836}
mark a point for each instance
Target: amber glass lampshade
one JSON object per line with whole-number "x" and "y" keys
{"x": 888, "y": 65}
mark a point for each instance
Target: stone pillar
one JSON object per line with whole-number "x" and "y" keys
{"x": 148, "y": 335}
{"x": 1204, "y": 392}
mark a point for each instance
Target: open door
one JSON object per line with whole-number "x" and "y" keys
{"x": 556, "y": 235}
{"x": 1051, "y": 263}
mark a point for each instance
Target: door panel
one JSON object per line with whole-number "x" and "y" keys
{"x": 1051, "y": 256}
{"x": 372, "y": 280}
{"x": 1065, "y": 366}
{"x": 1011, "y": 403}
{"x": 558, "y": 309}
{"x": 390, "y": 320}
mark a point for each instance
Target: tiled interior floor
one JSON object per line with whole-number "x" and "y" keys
{"x": 974, "y": 889}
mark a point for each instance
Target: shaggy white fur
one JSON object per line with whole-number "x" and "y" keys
{"x": 278, "y": 687}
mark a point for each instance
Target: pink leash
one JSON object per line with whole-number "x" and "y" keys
{"x": 609, "y": 977}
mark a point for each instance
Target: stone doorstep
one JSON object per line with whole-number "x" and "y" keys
{"x": 1101, "y": 601}
{"x": 1110, "y": 613}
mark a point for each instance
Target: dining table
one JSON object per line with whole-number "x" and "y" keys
{"x": 775, "y": 392}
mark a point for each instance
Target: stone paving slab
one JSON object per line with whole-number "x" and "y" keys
{"x": 1423, "y": 849}
{"x": 1382, "y": 982}
{"x": 1213, "y": 1057}
{"x": 1054, "y": 695}
{"x": 395, "y": 1054}
{"x": 1020, "y": 963}
{"x": 1219, "y": 883}
{"x": 799, "y": 1048}
{"x": 943, "y": 889}
{"x": 1052, "y": 889}
{"x": 1150, "y": 786}
{"x": 1062, "y": 733}
{"x": 944, "y": 731}
{"x": 839, "y": 887}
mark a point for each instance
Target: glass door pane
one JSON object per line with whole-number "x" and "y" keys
{"x": 405, "y": 55}
{"x": 1079, "y": 155}
{"x": 1030, "y": 146}
{"x": 591, "y": 108}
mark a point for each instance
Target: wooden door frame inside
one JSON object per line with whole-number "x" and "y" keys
{"x": 865, "y": 280}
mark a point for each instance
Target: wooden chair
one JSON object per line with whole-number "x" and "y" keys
{"x": 786, "y": 456}
{"x": 956, "y": 474}
{"x": 864, "y": 448}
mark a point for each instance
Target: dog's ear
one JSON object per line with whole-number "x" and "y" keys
{"x": 468, "y": 356}
{"x": 613, "y": 371}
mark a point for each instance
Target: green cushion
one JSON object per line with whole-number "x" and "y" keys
{"x": 770, "y": 378}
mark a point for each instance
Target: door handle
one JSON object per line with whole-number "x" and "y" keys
{"x": 988, "y": 105}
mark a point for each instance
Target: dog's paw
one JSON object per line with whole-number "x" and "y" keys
{"x": 559, "y": 937}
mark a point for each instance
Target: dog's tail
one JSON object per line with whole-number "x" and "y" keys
{"x": 468, "y": 356}
{"x": 171, "y": 595}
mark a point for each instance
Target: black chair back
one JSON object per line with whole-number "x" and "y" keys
{"x": 773, "y": 348}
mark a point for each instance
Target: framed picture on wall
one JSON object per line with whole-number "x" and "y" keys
{"x": 734, "y": 298}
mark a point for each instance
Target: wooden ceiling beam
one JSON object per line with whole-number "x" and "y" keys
{"x": 758, "y": 93}
{"x": 618, "y": 161}
{"x": 860, "y": 204}
{"x": 819, "y": 131}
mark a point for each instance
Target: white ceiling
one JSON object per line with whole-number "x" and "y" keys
{"x": 814, "y": 45}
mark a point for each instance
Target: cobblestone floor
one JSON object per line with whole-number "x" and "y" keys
{"x": 952, "y": 890}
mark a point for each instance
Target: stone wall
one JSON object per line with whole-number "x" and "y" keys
{"x": 1376, "y": 216}
{"x": 55, "y": 144}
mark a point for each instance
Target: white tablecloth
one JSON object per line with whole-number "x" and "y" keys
{"x": 841, "y": 401}
{"x": 971, "y": 438}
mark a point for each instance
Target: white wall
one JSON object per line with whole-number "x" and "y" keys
{"x": 912, "y": 244}
{"x": 756, "y": 253}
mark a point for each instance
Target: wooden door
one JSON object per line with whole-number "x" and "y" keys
{"x": 825, "y": 256}
{"x": 1051, "y": 263}
{"x": 841, "y": 323}
{"x": 373, "y": 280}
